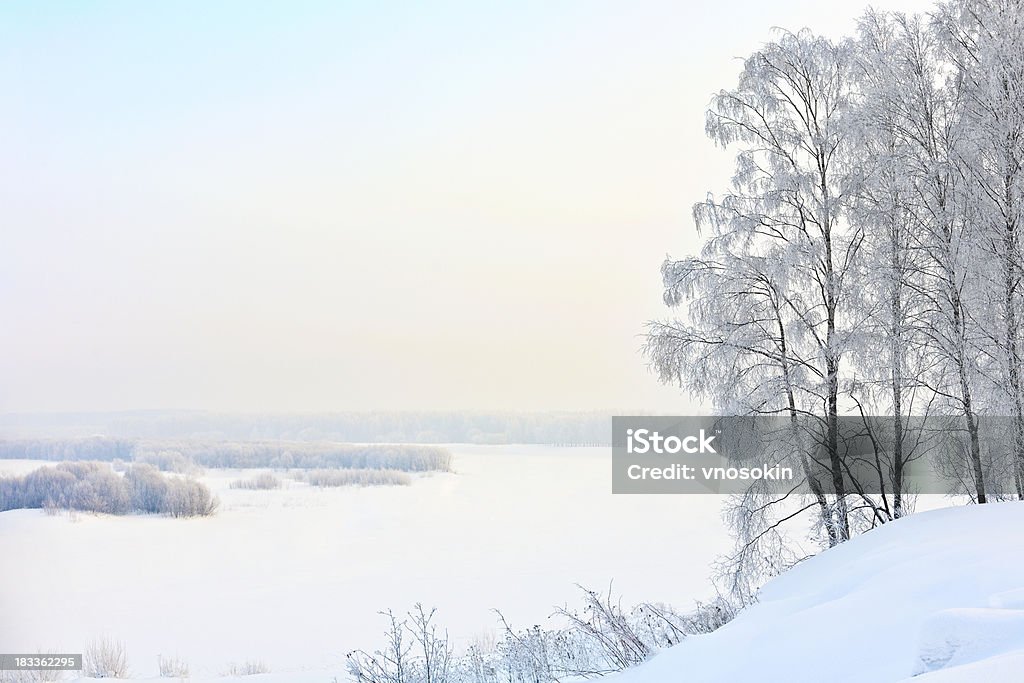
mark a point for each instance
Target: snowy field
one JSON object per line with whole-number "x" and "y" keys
{"x": 295, "y": 577}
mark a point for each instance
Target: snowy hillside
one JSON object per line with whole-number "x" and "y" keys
{"x": 934, "y": 598}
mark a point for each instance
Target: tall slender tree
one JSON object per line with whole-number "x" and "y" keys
{"x": 790, "y": 194}
{"x": 984, "y": 44}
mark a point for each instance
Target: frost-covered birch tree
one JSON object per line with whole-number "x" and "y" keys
{"x": 736, "y": 350}
{"x": 984, "y": 44}
{"x": 896, "y": 70}
{"x": 924, "y": 103}
{"x": 788, "y": 205}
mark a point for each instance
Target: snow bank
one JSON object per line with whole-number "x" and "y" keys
{"x": 932, "y": 598}
{"x": 960, "y": 636}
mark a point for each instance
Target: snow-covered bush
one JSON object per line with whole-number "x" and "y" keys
{"x": 32, "y": 675}
{"x": 99, "y": 489}
{"x": 361, "y": 477}
{"x": 172, "y": 667}
{"x": 147, "y": 487}
{"x": 189, "y": 498}
{"x": 95, "y": 487}
{"x": 261, "y": 482}
{"x": 416, "y": 652}
{"x": 105, "y": 658}
{"x": 601, "y": 637}
{"x": 249, "y": 667}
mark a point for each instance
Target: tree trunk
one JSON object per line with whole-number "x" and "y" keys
{"x": 959, "y": 335}
{"x": 896, "y": 350}
{"x": 812, "y": 480}
{"x": 1012, "y": 336}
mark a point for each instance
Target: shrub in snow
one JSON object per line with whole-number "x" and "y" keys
{"x": 709, "y": 616}
{"x": 189, "y": 498}
{"x": 370, "y": 477}
{"x": 172, "y": 667}
{"x": 416, "y": 652}
{"x": 105, "y": 658}
{"x": 32, "y": 676}
{"x": 264, "y": 481}
{"x": 95, "y": 487}
{"x": 147, "y": 487}
{"x": 249, "y": 667}
{"x": 100, "y": 490}
{"x": 599, "y": 638}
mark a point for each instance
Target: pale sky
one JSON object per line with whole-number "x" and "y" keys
{"x": 352, "y": 206}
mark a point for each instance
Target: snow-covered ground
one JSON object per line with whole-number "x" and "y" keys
{"x": 934, "y": 598}
{"x": 295, "y": 577}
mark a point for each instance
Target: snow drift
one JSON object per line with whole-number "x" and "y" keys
{"x": 933, "y": 598}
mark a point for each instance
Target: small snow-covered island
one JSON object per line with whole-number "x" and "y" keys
{"x": 336, "y": 347}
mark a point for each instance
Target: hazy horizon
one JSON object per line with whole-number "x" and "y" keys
{"x": 322, "y": 207}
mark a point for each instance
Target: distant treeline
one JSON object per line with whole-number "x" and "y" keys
{"x": 558, "y": 428}
{"x": 96, "y": 487}
{"x": 184, "y": 455}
